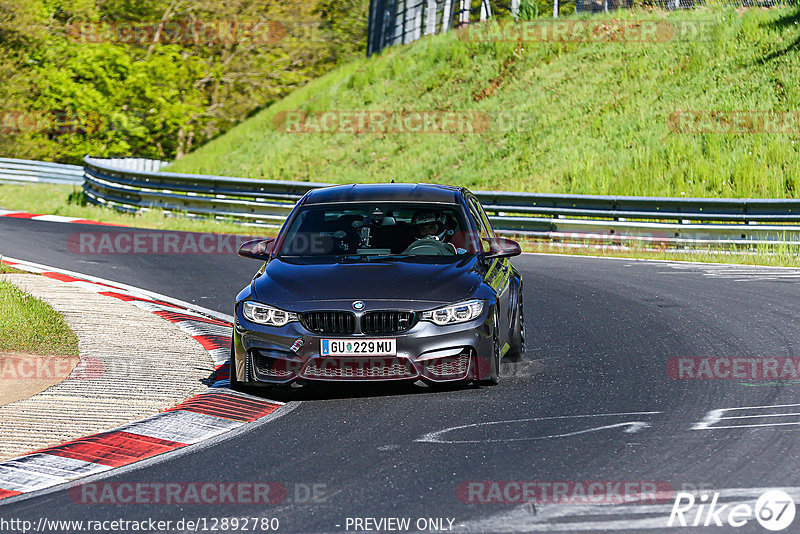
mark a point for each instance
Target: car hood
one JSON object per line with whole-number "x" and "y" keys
{"x": 416, "y": 284}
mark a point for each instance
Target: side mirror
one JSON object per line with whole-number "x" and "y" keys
{"x": 500, "y": 247}
{"x": 259, "y": 249}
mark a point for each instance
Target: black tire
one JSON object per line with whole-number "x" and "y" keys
{"x": 517, "y": 341}
{"x": 494, "y": 376}
{"x": 235, "y": 384}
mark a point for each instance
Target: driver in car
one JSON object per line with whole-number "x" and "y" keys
{"x": 430, "y": 226}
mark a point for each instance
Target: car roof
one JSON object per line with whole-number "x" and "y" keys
{"x": 385, "y": 192}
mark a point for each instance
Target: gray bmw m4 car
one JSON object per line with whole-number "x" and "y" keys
{"x": 378, "y": 283}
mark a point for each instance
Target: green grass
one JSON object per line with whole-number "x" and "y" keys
{"x": 29, "y": 325}
{"x": 581, "y": 118}
{"x": 63, "y": 200}
{"x": 5, "y": 269}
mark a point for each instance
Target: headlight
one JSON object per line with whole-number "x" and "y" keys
{"x": 455, "y": 313}
{"x": 262, "y": 314}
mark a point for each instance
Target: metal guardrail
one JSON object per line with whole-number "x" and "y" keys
{"x": 257, "y": 202}
{"x": 27, "y": 171}
{"x": 664, "y": 221}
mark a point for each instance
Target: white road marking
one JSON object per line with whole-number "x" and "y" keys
{"x": 154, "y": 307}
{"x": 220, "y": 355}
{"x": 715, "y": 416}
{"x": 26, "y": 268}
{"x": 16, "y": 479}
{"x": 53, "y": 465}
{"x": 763, "y": 415}
{"x": 738, "y": 273}
{"x": 43, "y": 470}
{"x": 94, "y": 288}
{"x": 54, "y": 218}
{"x": 182, "y": 426}
{"x": 200, "y": 328}
{"x": 633, "y": 426}
{"x": 751, "y": 426}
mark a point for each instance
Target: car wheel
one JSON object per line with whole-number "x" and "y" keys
{"x": 235, "y": 384}
{"x": 517, "y": 348}
{"x": 494, "y": 375}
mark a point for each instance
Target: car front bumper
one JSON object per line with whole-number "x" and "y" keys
{"x": 281, "y": 355}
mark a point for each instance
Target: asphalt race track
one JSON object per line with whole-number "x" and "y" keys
{"x": 591, "y": 401}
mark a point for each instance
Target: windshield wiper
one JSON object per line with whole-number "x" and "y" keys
{"x": 370, "y": 257}
{"x": 382, "y": 257}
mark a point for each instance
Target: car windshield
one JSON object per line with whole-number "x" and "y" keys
{"x": 378, "y": 231}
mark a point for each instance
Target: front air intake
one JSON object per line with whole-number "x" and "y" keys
{"x": 387, "y": 322}
{"x": 329, "y": 322}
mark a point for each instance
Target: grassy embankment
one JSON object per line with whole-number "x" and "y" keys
{"x": 28, "y": 325}
{"x": 579, "y": 117}
{"x": 37, "y": 347}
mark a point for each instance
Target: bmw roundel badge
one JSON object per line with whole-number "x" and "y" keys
{"x": 358, "y": 305}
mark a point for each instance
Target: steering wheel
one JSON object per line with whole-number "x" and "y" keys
{"x": 429, "y": 247}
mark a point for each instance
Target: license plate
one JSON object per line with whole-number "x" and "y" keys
{"x": 358, "y": 347}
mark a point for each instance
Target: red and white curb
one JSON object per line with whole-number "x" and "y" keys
{"x": 50, "y": 218}
{"x": 200, "y": 418}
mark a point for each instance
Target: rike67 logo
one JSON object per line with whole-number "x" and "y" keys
{"x": 774, "y": 510}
